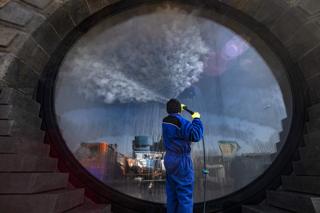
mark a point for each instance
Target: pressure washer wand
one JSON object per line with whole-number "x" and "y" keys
{"x": 205, "y": 171}
{"x": 188, "y": 110}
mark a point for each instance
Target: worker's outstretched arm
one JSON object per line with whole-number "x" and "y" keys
{"x": 192, "y": 131}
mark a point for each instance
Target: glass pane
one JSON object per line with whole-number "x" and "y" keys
{"x": 114, "y": 82}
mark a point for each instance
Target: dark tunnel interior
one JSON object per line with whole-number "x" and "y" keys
{"x": 84, "y": 86}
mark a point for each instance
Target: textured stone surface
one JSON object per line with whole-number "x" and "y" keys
{"x": 52, "y": 7}
{"x": 29, "y": 130}
{"x": 249, "y": 7}
{"x": 10, "y": 145}
{"x": 38, "y": 3}
{"x": 21, "y": 76}
{"x": 314, "y": 111}
{"x": 310, "y": 63}
{"x": 28, "y": 124}
{"x": 95, "y": 5}
{"x": 18, "y": 99}
{"x": 300, "y": 44}
{"x": 3, "y": 3}
{"x": 27, "y": 50}
{"x": 56, "y": 201}
{"x": 309, "y": 165}
{"x": 314, "y": 87}
{"x": 15, "y": 13}
{"x": 288, "y": 24}
{"x": 46, "y": 37}
{"x": 294, "y": 201}
{"x": 26, "y": 163}
{"x": 312, "y": 138}
{"x": 6, "y": 36}
{"x": 78, "y": 9}
{"x": 313, "y": 125}
{"x": 91, "y": 208}
{"x": 262, "y": 208}
{"x": 5, "y": 61}
{"x": 270, "y": 11}
{"x": 61, "y": 22}
{"x": 309, "y": 153}
{"x": 21, "y": 183}
{"x": 34, "y": 23}
{"x": 22, "y": 117}
{"x": 311, "y": 6}
{"x": 6, "y": 127}
{"x": 305, "y": 184}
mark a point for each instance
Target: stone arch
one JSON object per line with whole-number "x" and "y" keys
{"x": 31, "y": 35}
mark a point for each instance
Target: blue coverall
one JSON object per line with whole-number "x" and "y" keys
{"x": 178, "y": 134}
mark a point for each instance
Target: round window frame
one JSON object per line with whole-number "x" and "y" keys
{"x": 254, "y": 192}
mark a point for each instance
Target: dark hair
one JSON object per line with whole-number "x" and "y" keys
{"x": 173, "y": 106}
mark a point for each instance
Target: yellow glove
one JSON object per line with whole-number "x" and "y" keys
{"x": 195, "y": 115}
{"x": 182, "y": 107}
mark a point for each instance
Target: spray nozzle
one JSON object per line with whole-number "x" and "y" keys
{"x": 184, "y": 107}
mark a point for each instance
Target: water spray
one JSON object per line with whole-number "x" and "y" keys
{"x": 205, "y": 171}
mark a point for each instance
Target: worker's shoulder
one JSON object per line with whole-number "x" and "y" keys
{"x": 172, "y": 120}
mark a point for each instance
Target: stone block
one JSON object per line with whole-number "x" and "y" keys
{"x": 29, "y": 131}
{"x": 96, "y": 5}
{"x": 27, "y": 50}
{"x": 314, "y": 111}
{"x": 309, "y": 153}
{"x": 11, "y": 145}
{"x": 249, "y": 7}
{"x": 261, "y": 208}
{"x": 78, "y": 10}
{"x": 55, "y": 201}
{"x": 38, "y": 3}
{"x": 10, "y": 96}
{"x": 295, "y": 202}
{"x": 291, "y": 3}
{"x": 314, "y": 89}
{"x": 305, "y": 184}
{"x": 35, "y": 22}
{"x": 288, "y": 24}
{"x": 270, "y": 11}
{"x": 27, "y": 183}
{"x": 11, "y": 112}
{"x": 91, "y": 208}
{"x": 21, "y": 128}
{"x": 5, "y": 61}
{"x": 300, "y": 44}
{"x": 310, "y": 63}
{"x": 313, "y": 125}
{"x": 3, "y": 3}
{"x": 6, "y": 36}
{"x": 46, "y": 37}
{"x": 6, "y": 127}
{"x": 310, "y": 6}
{"x": 61, "y": 22}
{"x": 15, "y": 13}
{"x": 27, "y": 163}
{"x": 312, "y": 139}
{"x": 20, "y": 76}
{"x": 309, "y": 165}
{"x": 52, "y": 7}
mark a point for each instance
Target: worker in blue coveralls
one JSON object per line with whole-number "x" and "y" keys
{"x": 178, "y": 134}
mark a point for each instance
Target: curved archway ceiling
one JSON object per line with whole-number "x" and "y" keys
{"x": 113, "y": 83}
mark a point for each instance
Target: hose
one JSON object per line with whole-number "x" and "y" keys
{"x": 205, "y": 171}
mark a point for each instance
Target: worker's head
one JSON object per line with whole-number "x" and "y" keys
{"x": 173, "y": 106}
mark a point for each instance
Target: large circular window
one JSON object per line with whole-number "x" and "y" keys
{"x": 113, "y": 84}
